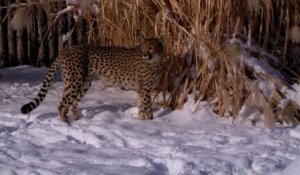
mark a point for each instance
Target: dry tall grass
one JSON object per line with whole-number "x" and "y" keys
{"x": 199, "y": 57}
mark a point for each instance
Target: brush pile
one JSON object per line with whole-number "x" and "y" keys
{"x": 242, "y": 57}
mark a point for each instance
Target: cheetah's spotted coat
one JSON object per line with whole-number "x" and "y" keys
{"x": 117, "y": 66}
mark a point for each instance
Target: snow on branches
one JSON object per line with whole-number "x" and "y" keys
{"x": 81, "y": 7}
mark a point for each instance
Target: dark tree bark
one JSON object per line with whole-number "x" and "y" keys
{"x": 22, "y": 42}
{"x": 62, "y": 27}
{"x": 52, "y": 37}
{"x": 32, "y": 37}
{"x": 3, "y": 37}
{"x": 43, "y": 55}
{"x": 12, "y": 37}
{"x": 22, "y": 46}
{"x": 71, "y": 28}
{"x": 81, "y": 32}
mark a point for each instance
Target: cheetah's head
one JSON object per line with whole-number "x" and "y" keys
{"x": 152, "y": 49}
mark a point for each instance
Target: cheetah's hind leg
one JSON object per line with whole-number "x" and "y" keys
{"x": 71, "y": 90}
{"x": 83, "y": 91}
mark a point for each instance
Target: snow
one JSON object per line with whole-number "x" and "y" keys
{"x": 293, "y": 95}
{"x": 110, "y": 139}
{"x": 67, "y": 36}
{"x": 81, "y": 6}
{"x": 293, "y": 168}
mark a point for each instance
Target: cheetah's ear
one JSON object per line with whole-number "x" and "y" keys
{"x": 161, "y": 40}
{"x": 142, "y": 39}
{"x": 145, "y": 39}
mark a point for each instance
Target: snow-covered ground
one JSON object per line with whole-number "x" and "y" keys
{"x": 109, "y": 139}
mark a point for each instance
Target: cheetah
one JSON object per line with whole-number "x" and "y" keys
{"x": 137, "y": 68}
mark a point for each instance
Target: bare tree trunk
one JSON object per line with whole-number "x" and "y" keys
{"x": 43, "y": 55}
{"x": 22, "y": 46}
{"x": 71, "y": 28}
{"x": 62, "y": 27}
{"x": 3, "y": 37}
{"x": 81, "y": 32}
{"x": 12, "y": 39}
{"x": 22, "y": 43}
{"x": 52, "y": 37}
{"x": 32, "y": 37}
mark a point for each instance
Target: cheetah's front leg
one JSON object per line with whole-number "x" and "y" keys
{"x": 145, "y": 105}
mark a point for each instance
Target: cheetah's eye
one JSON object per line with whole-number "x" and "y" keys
{"x": 148, "y": 56}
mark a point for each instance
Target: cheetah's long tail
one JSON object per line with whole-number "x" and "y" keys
{"x": 44, "y": 89}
